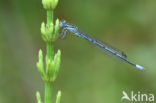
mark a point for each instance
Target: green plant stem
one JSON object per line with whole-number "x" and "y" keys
{"x": 48, "y": 92}
{"x": 49, "y": 16}
{"x": 50, "y": 54}
{"x": 50, "y": 50}
{"x": 50, "y": 47}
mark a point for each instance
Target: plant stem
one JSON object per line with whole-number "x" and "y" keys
{"x": 50, "y": 47}
{"x": 48, "y": 92}
{"x": 49, "y": 31}
{"x": 49, "y": 16}
{"x": 50, "y": 54}
{"x": 50, "y": 50}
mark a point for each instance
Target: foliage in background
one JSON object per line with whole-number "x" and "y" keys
{"x": 87, "y": 75}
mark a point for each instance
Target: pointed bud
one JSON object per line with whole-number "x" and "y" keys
{"x": 43, "y": 31}
{"x": 58, "y": 98}
{"x": 50, "y": 69}
{"x": 40, "y": 64}
{"x": 50, "y": 30}
{"x": 57, "y": 24}
{"x": 38, "y": 97}
{"x": 57, "y": 61}
{"x": 47, "y": 31}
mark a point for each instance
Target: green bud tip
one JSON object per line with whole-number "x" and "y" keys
{"x": 46, "y": 31}
{"x": 49, "y": 4}
{"x": 59, "y": 94}
{"x": 57, "y": 62}
{"x": 50, "y": 30}
{"x": 57, "y": 54}
{"x": 51, "y": 27}
{"x": 40, "y": 55}
{"x": 38, "y": 97}
{"x": 43, "y": 28}
{"x": 58, "y": 98}
{"x": 43, "y": 31}
{"x": 40, "y": 64}
{"x": 57, "y": 24}
{"x": 50, "y": 69}
{"x": 48, "y": 65}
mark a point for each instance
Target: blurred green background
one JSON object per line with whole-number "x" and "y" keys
{"x": 86, "y": 74}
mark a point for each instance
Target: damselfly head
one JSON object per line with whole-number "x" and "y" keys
{"x": 62, "y": 23}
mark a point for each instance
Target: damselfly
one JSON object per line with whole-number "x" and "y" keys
{"x": 107, "y": 48}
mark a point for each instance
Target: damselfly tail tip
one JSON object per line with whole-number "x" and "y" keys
{"x": 140, "y": 67}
